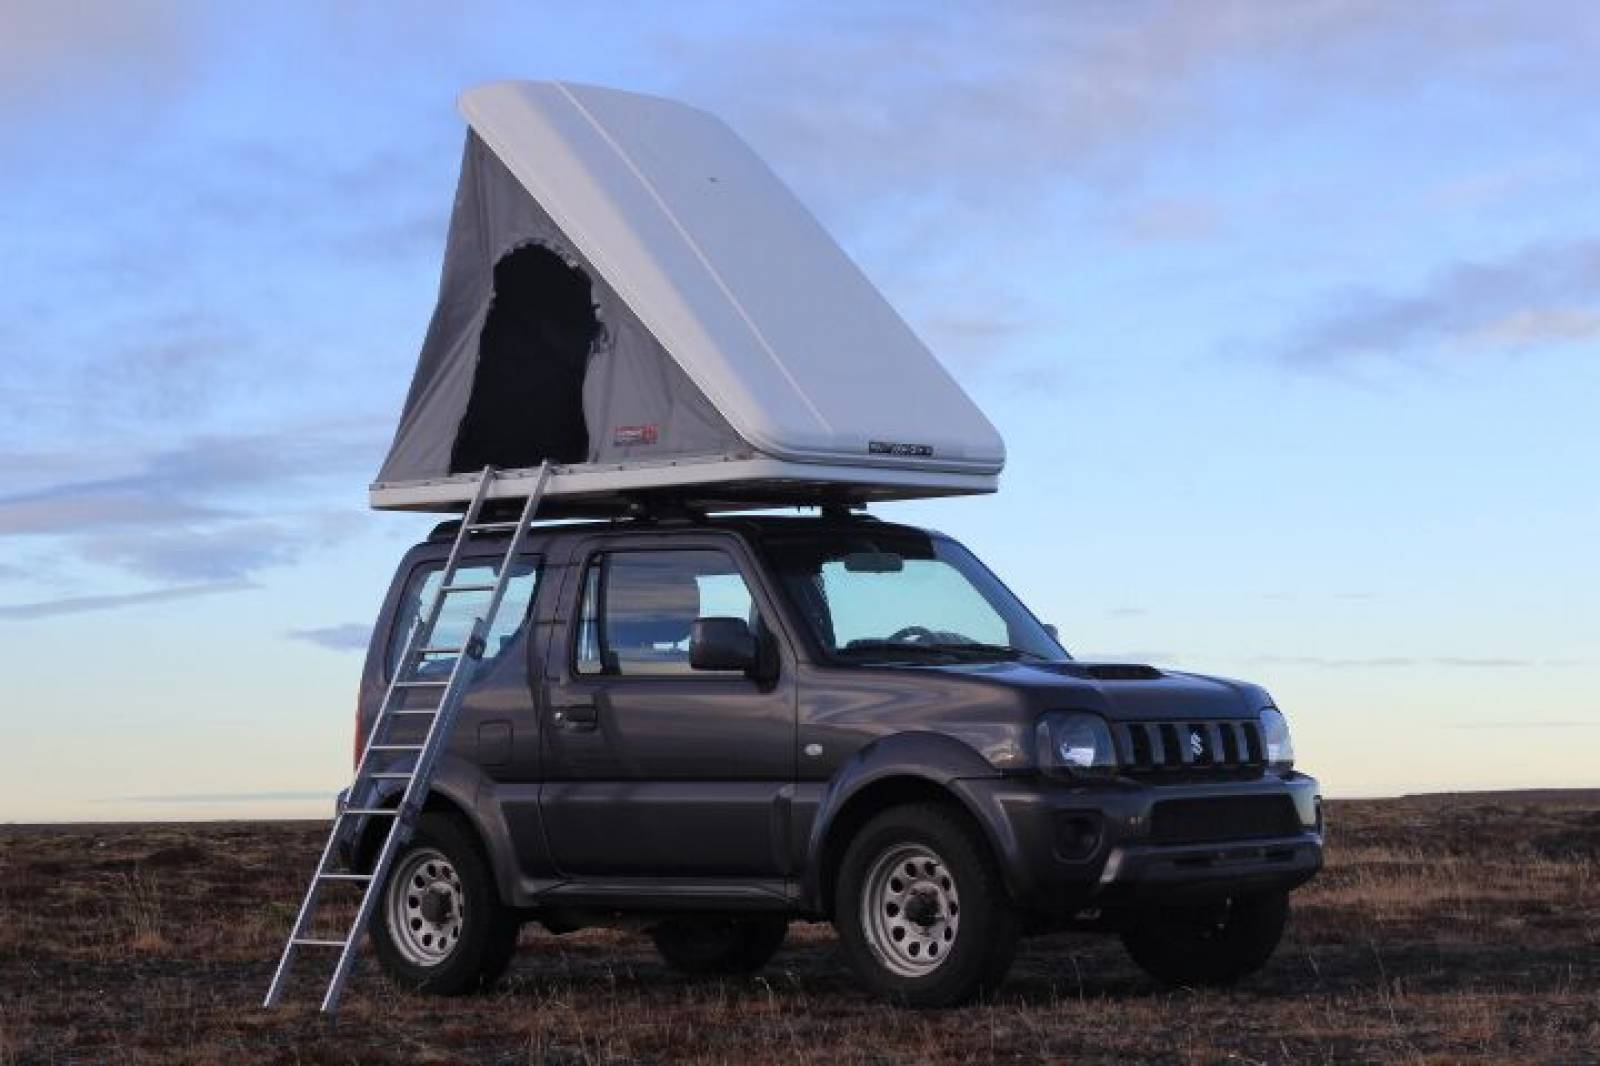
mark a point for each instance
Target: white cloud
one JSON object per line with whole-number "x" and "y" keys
{"x": 1543, "y": 295}
{"x": 79, "y": 604}
{"x": 352, "y": 636}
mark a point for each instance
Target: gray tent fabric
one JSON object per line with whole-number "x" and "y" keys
{"x": 638, "y": 404}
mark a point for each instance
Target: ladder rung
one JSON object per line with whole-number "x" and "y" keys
{"x": 440, "y": 651}
{"x": 468, "y": 588}
{"x": 420, "y": 684}
{"x": 344, "y": 877}
{"x": 308, "y": 942}
{"x": 415, "y": 710}
{"x": 390, "y": 776}
{"x": 394, "y": 747}
{"x": 372, "y": 810}
{"x": 492, "y": 527}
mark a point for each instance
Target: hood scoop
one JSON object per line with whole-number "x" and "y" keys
{"x": 1122, "y": 672}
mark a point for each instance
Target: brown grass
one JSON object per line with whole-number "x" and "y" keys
{"x": 1442, "y": 932}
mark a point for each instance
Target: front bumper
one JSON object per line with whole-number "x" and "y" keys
{"x": 1067, "y": 847}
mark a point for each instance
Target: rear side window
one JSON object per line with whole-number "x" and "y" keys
{"x": 638, "y": 608}
{"x": 460, "y": 610}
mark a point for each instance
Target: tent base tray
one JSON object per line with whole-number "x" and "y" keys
{"x": 700, "y": 484}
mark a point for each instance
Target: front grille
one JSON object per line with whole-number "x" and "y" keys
{"x": 1191, "y": 751}
{"x": 1222, "y": 818}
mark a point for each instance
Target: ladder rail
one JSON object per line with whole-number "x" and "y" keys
{"x": 418, "y": 778}
{"x": 410, "y": 659}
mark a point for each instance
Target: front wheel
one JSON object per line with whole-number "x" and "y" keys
{"x": 1210, "y": 944}
{"x": 440, "y": 926}
{"x": 922, "y": 914}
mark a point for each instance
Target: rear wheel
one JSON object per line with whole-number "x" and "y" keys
{"x": 440, "y": 925}
{"x": 922, "y": 914}
{"x": 1210, "y": 944}
{"x": 711, "y": 945}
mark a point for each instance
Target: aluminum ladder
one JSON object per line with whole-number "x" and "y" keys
{"x": 369, "y": 779}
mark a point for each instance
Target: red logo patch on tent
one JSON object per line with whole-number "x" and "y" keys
{"x": 627, "y": 436}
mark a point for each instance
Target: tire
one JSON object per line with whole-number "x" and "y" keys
{"x": 923, "y": 916}
{"x": 440, "y": 927}
{"x": 1212, "y": 944}
{"x": 712, "y": 946}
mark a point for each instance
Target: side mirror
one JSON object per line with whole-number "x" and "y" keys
{"x": 1052, "y": 632}
{"x": 722, "y": 644}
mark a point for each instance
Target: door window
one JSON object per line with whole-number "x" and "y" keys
{"x": 639, "y": 607}
{"x": 459, "y": 612}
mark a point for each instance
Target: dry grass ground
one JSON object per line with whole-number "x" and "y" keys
{"x": 1444, "y": 931}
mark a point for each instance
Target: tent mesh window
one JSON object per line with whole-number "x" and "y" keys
{"x": 527, "y": 393}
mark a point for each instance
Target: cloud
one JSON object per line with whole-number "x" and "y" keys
{"x": 51, "y": 50}
{"x": 1541, "y": 296}
{"x": 1128, "y": 657}
{"x": 220, "y": 797}
{"x": 352, "y": 636}
{"x": 1536, "y": 327}
{"x": 1388, "y": 661}
{"x": 1172, "y": 220}
{"x": 215, "y": 553}
{"x": 1523, "y": 724}
{"x": 1373, "y": 662}
{"x": 69, "y": 508}
{"x": 189, "y": 513}
{"x": 79, "y": 604}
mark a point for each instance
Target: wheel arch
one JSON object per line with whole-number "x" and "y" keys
{"x": 906, "y": 768}
{"x": 453, "y": 791}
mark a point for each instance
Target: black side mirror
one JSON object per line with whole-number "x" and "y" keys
{"x": 722, "y": 644}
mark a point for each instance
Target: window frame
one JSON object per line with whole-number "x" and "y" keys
{"x": 388, "y": 664}
{"x": 589, "y": 553}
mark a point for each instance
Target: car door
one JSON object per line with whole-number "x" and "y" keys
{"x": 651, "y": 768}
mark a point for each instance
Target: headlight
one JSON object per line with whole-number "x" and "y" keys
{"x": 1075, "y": 743}
{"x": 1275, "y": 739}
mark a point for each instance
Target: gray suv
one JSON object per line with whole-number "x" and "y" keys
{"x": 709, "y": 728}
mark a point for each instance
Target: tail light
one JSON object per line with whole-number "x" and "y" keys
{"x": 361, "y": 735}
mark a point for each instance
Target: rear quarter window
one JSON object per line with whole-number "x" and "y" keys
{"x": 459, "y": 612}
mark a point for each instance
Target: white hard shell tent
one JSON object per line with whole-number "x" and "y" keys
{"x": 629, "y": 292}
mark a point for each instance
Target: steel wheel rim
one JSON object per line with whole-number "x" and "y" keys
{"x": 910, "y": 910}
{"x": 425, "y": 907}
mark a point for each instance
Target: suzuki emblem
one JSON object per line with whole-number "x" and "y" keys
{"x": 1197, "y": 743}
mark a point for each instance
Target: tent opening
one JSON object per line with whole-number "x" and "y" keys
{"x": 527, "y": 392}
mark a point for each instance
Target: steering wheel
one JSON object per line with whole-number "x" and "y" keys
{"x": 912, "y": 634}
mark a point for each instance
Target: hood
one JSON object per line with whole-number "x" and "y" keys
{"x": 1119, "y": 691}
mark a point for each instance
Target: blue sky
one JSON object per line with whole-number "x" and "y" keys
{"x": 1289, "y": 314}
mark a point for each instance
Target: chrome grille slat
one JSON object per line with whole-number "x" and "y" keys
{"x": 1163, "y": 749}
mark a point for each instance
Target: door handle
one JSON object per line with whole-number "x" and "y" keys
{"x": 576, "y": 715}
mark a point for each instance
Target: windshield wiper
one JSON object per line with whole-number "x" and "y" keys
{"x": 877, "y": 649}
{"x": 1003, "y": 651}
{"x": 944, "y": 649}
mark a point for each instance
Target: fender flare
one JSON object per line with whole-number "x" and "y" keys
{"x": 933, "y": 759}
{"x": 461, "y": 785}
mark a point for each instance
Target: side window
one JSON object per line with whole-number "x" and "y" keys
{"x": 460, "y": 609}
{"x": 638, "y": 608}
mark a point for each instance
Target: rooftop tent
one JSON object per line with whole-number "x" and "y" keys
{"x": 630, "y": 293}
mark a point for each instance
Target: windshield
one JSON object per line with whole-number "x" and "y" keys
{"x": 879, "y": 596}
